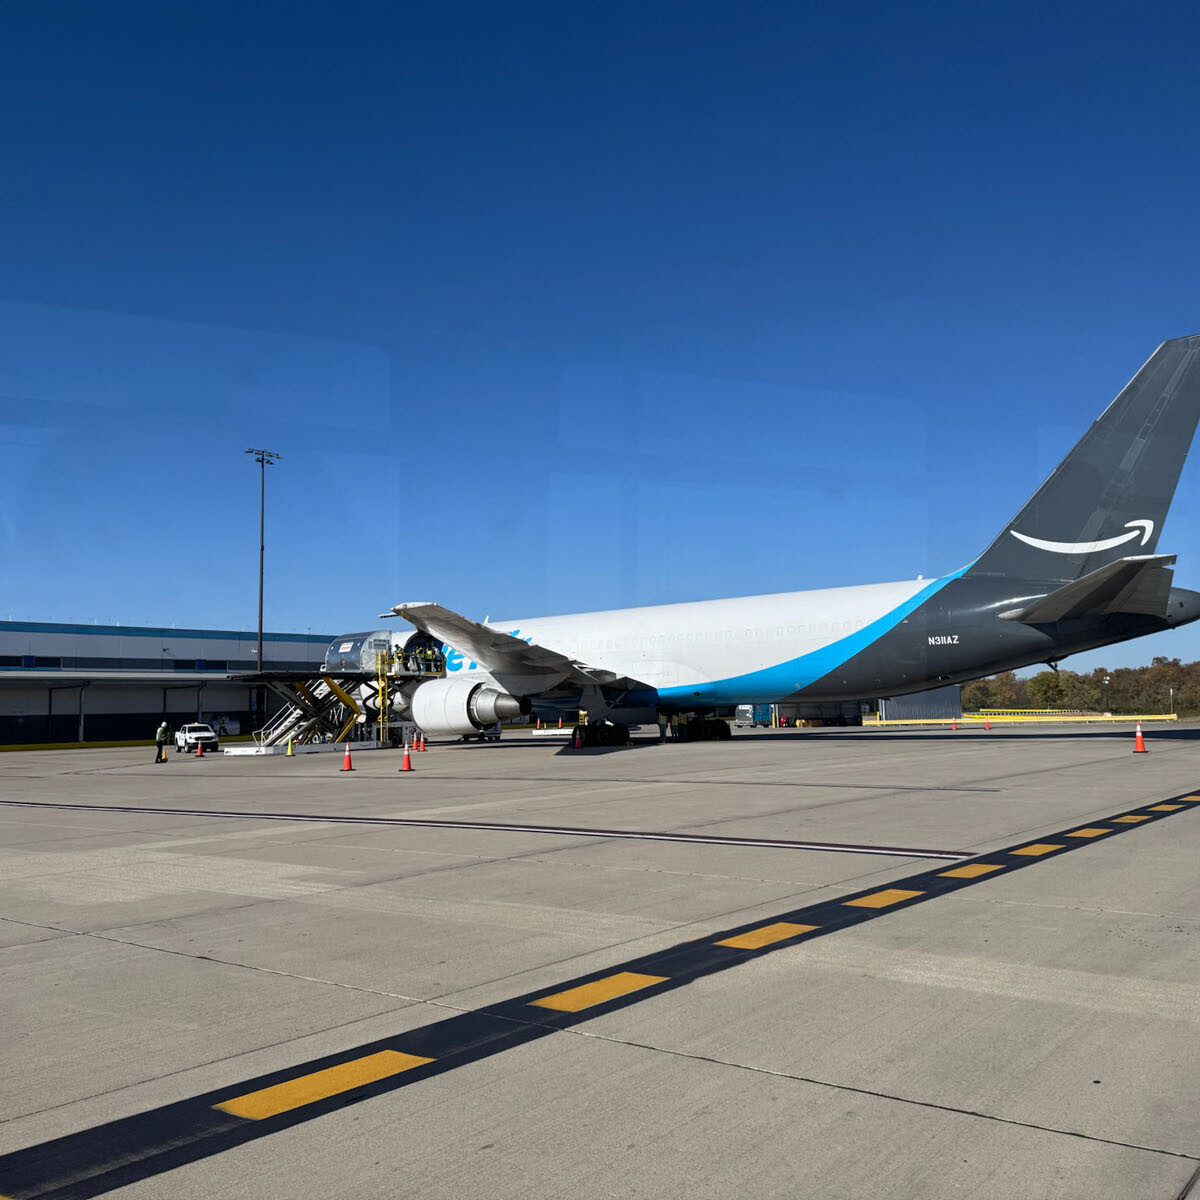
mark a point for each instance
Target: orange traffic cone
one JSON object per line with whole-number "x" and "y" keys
{"x": 347, "y": 765}
{"x": 199, "y": 749}
{"x": 987, "y": 724}
{"x": 560, "y": 722}
{"x": 406, "y": 765}
{"x": 422, "y": 743}
{"x": 954, "y": 725}
{"x": 1139, "y": 744}
{"x": 539, "y": 722}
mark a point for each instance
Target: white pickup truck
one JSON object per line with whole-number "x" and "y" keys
{"x": 187, "y": 737}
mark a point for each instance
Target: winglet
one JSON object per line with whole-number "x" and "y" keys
{"x": 401, "y": 610}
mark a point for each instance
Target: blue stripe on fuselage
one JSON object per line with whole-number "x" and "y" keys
{"x": 772, "y": 683}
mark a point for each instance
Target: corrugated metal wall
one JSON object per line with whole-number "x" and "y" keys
{"x": 941, "y": 703}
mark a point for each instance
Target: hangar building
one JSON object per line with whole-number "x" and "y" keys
{"x": 94, "y": 683}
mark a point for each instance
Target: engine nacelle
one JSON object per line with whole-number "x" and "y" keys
{"x": 452, "y": 707}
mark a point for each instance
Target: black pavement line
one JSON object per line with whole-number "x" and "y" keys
{"x": 96, "y": 1160}
{"x": 633, "y": 835}
{"x": 680, "y": 782}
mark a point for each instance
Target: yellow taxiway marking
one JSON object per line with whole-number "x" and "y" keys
{"x": 1091, "y": 832}
{"x": 283, "y": 1097}
{"x": 884, "y": 898}
{"x": 972, "y": 870}
{"x": 1037, "y": 848}
{"x": 757, "y": 938}
{"x": 1164, "y": 807}
{"x": 577, "y": 998}
{"x": 1130, "y": 820}
{"x": 1190, "y": 799}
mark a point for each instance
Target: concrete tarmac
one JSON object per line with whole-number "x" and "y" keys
{"x": 235, "y": 976}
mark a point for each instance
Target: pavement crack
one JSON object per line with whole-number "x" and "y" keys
{"x": 1187, "y": 1191}
{"x": 107, "y": 937}
{"x": 892, "y": 1096}
{"x": 1089, "y": 908}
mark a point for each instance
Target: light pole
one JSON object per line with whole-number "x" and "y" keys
{"x": 1106, "y": 708}
{"x": 264, "y": 458}
{"x": 1171, "y": 691}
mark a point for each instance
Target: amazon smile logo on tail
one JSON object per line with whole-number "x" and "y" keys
{"x": 1144, "y": 527}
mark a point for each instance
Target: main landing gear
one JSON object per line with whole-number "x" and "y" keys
{"x": 600, "y": 733}
{"x": 614, "y": 733}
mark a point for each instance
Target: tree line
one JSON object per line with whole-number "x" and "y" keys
{"x": 1164, "y": 685}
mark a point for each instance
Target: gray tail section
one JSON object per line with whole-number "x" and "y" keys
{"x": 1109, "y": 497}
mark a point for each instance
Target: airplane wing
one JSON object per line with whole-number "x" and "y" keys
{"x": 537, "y": 668}
{"x": 1138, "y": 584}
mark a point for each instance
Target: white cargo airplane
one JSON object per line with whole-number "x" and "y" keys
{"x": 1060, "y": 578}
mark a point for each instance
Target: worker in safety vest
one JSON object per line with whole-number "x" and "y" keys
{"x": 663, "y": 721}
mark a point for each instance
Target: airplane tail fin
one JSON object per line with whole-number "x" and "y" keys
{"x": 1108, "y": 498}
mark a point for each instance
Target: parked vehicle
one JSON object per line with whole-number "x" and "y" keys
{"x": 188, "y": 737}
{"x": 752, "y": 714}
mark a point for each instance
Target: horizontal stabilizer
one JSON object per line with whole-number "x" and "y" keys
{"x": 1139, "y": 584}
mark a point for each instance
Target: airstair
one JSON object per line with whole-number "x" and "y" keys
{"x": 327, "y": 708}
{"x": 313, "y": 710}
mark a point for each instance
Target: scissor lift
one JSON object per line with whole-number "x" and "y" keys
{"x": 320, "y": 709}
{"x": 326, "y": 708}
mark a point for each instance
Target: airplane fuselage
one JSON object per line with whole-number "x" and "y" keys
{"x": 833, "y": 643}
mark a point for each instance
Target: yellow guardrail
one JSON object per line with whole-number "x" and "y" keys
{"x": 1035, "y": 712}
{"x": 1028, "y": 719}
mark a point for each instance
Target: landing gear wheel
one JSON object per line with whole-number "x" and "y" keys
{"x": 602, "y": 733}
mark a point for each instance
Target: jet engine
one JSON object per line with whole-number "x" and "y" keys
{"x": 451, "y": 707}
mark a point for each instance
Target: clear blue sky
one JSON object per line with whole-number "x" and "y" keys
{"x": 555, "y": 307}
